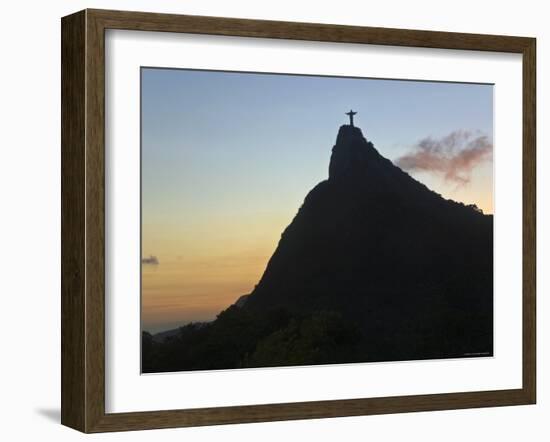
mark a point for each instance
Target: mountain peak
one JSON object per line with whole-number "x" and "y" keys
{"x": 348, "y": 131}
{"x": 351, "y": 153}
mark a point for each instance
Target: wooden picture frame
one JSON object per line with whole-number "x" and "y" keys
{"x": 83, "y": 220}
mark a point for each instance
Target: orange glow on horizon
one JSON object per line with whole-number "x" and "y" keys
{"x": 207, "y": 263}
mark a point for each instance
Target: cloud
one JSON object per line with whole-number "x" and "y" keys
{"x": 454, "y": 156}
{"x": 150, "y": 260}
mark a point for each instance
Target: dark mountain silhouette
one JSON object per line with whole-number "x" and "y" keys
{"x": 168, "y": 334}
{"x": 374, "y": 267}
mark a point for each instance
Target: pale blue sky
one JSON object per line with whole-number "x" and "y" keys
{"x": 217, "y": 138}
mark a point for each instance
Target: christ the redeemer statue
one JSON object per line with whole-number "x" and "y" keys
{"x": 351, "y": 114}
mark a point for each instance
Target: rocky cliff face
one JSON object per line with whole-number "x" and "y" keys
{"x": 413, "y": 270}
{"x": 351, "y": 154}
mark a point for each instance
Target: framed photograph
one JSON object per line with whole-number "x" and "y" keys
{"x": 269, "y": 220}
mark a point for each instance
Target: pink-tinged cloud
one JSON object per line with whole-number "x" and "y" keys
{"x": 454, "y": 156}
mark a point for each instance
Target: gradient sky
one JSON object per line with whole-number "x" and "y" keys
{"x": 227, "y": 159}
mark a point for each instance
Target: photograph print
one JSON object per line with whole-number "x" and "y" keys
{"x": 295, "y": 220}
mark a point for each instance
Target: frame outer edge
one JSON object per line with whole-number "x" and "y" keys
{"x": 95, "y": 222}
{"x": 529, "y": 221}
{"x": 197, "y": 24}
{"x": 83, "y": 218}
{"x": 73, "y": 131}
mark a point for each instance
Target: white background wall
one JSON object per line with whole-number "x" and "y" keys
{"x": 30, "y": 217}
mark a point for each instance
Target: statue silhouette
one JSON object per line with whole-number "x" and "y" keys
{"x": 351, "y": 114}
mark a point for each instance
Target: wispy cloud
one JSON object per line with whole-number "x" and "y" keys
{"x": 454, "y": 156}
{"x": 150, "y": 260}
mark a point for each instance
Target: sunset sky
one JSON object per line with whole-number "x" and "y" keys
{"x": 228, "y": 158}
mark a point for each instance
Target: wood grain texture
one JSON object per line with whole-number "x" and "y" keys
{"x": 308, "y": 410}
{"x": 529, "y": 220}
{"x": 95, "y": 222}
{"x": 83, "y": 220}
{"x": 73, "y": 127}
{"x": 145, "y": 21}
